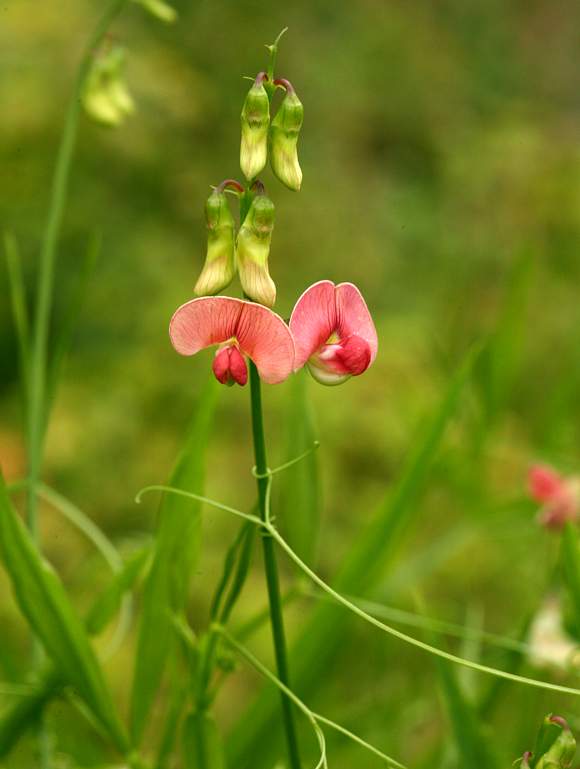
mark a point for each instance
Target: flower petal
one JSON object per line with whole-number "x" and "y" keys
{"x": 205, "y": 321}
{"x": 354, "y": 317}
{"x": 313, "y": 320}
{"x": 262, "y": 335}
{"x": 267, "y": 340}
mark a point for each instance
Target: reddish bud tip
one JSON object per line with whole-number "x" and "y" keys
{"x": 560, "y": 720}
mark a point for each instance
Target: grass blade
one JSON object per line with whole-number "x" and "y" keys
{"x": 473, "y": 747}
{"x": 367, "y": 563}
{"x": 44, "y": 602}
{"x": 202, "y": 746}
{"x": 178, "y": 698}
{"x": 571, "y": 568}
{"x": 19, "y": 306}
{"x": 23, "y": 714}
{"x": 110, "y": 600}
{"x": 66, "y": 331}
{"x": 26, "y": 711}
{"x": 299, "y": 491}
{"x": 498, "y": 365}
{"x": 175, "y": 554}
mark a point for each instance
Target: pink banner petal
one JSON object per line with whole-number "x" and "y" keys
{"x": 202, "y": 322}
{"x": 313, "y": 320}
{"x": 267, "y": 340}
{"x": 354, "y": 317}
{"x": 262, "y": 335}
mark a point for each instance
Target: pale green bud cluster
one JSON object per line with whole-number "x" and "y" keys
{"x": 248, "y": 253}
{"x": 283, "y": 141}
{"x": 253, "y": 250}
{"x": 219, "y": 268}
{"x": 277, "y": 140}
{"x": 255, "y": 120}
{"x": 105, "y": 96}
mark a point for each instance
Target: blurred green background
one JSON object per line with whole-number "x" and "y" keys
{"x": 441, "y": 169}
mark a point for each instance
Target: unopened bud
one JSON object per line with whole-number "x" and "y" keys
{"x": 219, "y": 268}
{"x": 253, "y": 250}
{"x": 105, "y": 96}
{"x": 229, "y": 366}
{"x": 283, "y": 139}
{"x": 160, "y": 9}
{"x": 255, "y": 122}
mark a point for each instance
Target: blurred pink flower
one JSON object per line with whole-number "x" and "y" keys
{"x": 241, "y": 328}
{"x": 559, "y": 496}
{"x": 333, "y": 332}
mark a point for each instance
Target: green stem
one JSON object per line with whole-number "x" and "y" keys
{"x": 270, "y": 565}
{"x": 273, "y": 49}
{"x": 36, "y": 416}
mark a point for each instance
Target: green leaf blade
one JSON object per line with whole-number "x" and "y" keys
{"x": 44, "y": 603}
{"x": 299, "y": 498}
{"x": 174, "y": 557}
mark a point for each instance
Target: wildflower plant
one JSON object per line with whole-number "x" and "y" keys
{"x": 331, "y": 333}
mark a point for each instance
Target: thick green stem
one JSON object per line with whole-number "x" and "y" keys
{"x": 270, "y": 566}
{"x": 36, "y": 407}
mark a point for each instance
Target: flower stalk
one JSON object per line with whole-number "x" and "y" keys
{"x": 271, "y": 566}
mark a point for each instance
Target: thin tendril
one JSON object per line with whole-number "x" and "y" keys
{"x": 286, "y": 465}
{"x": 430, "y": 623}
{"x": 312, "y": 717}
{"x": 358, "y": 740}
{"x": 199, "y": 498}
{"x": 272, "y": 531}
{"x": 410, "y": 639}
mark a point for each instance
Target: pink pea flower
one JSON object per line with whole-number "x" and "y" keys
{"x": 559, "y": 496}
{"x": 333, "y": 332}
{"x": 240, "y": 328}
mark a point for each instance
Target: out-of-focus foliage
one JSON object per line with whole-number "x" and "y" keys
{"x": 441, "y": 161}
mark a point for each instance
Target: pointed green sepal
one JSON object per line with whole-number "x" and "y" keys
{"x": 219, "y": 268}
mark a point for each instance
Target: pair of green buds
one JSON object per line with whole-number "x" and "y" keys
{"x": 248, "y": 253}
{"x": 277, "y": 139}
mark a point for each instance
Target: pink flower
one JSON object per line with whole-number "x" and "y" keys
{"x": 333, "y": 332}
{"x": 559, "y": 496}
{"x": 240, "y": 328}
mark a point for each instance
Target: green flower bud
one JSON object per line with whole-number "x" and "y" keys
{"x": 555, "y": 746}
{"x": 283, "y": 139}
{"x": 219, "y": 268}
{"x": 253, "y": 249}
{"x": 105, "y": 95}
{"x": 255, "y": 121}
{"x": 160, "y": 9}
